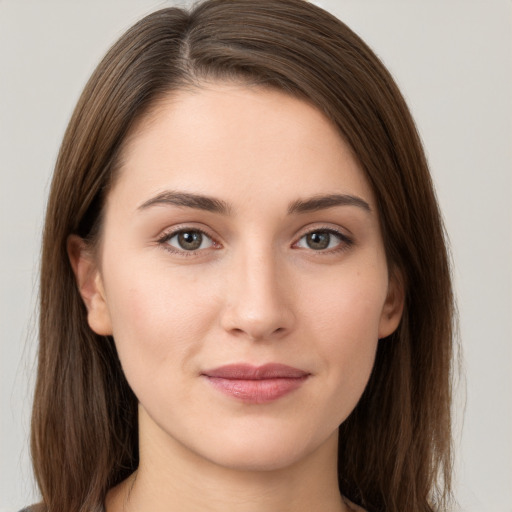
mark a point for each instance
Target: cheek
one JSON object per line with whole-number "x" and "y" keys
{"x": 345, "y": 322}
{"x": 348, "y": 307}
{"x": 159, "y": 320}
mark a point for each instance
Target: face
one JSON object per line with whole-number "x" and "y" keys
{"x": 243, "y": 276}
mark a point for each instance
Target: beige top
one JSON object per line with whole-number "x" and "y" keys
{"x": 352, "y": 506}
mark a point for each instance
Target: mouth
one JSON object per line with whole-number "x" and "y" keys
{"x": 256, "y": 384}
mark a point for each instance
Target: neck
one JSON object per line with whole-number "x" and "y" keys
{"x": 171, "y": 478}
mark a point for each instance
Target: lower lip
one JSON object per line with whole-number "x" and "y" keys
{"x": 257, "y": 391}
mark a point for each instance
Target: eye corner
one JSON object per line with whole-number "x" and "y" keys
{"x": 322, "y": 240}
{"x": 187, "y": 241}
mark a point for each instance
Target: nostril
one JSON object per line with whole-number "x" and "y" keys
{"x": 256, "y": 308}
{"x": 257, "y": 332}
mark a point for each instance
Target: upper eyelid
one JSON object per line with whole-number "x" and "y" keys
{"x": 343, "y": 233}
{"x": 169, "y": 233}
{"x": 345, "y": 241}
{"x": 172, "y": 234}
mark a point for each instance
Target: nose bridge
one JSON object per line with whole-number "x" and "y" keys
{"x": 258, "y": 302}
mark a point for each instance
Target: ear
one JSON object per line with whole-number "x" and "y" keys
{"x": 394, "y": 305}
{"x": 90, "y": 285}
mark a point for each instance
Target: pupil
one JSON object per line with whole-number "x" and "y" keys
{"x": 190, "y": 240}
{"x": 318, "y": 240}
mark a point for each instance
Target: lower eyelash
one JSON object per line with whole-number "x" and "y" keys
{"x": 345, "y": 241}
{"x": 162, "y": 242}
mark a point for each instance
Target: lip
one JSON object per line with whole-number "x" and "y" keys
{"x": 256, "y": 384}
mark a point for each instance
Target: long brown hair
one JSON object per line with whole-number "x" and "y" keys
{"x": 395, "y": 448}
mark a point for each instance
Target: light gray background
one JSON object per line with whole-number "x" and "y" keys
{"x": 453, "y": 61}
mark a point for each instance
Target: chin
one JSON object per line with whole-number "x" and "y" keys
{"x": 269, "y": 451}
{"x": 259, "y": 460}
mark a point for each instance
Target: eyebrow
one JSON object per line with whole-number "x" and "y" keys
{"x": 317, "y": 203}
{"x": 211, "y": 204}
{"x": 197, "y": 201}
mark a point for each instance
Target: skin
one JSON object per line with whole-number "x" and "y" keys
{"x": 254, "y": 292}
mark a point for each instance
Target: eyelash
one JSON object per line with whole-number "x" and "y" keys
{"x": 164, "y": 239}
{"x": 345, "y": 242}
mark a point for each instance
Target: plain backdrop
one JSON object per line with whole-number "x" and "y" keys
{"x": 453, "y": 61}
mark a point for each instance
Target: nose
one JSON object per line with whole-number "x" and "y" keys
{"x": 258, "y": 302}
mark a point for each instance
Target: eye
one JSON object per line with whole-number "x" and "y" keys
{"x": 188, "y": 240}
{"x": 322, "y": 239}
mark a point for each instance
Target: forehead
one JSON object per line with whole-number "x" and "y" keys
{"x": 232, "y": 140}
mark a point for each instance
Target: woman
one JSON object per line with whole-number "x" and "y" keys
{"x": 245, "y": 293}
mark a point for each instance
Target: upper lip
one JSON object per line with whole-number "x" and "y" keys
{"x": 250, "y": 372}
